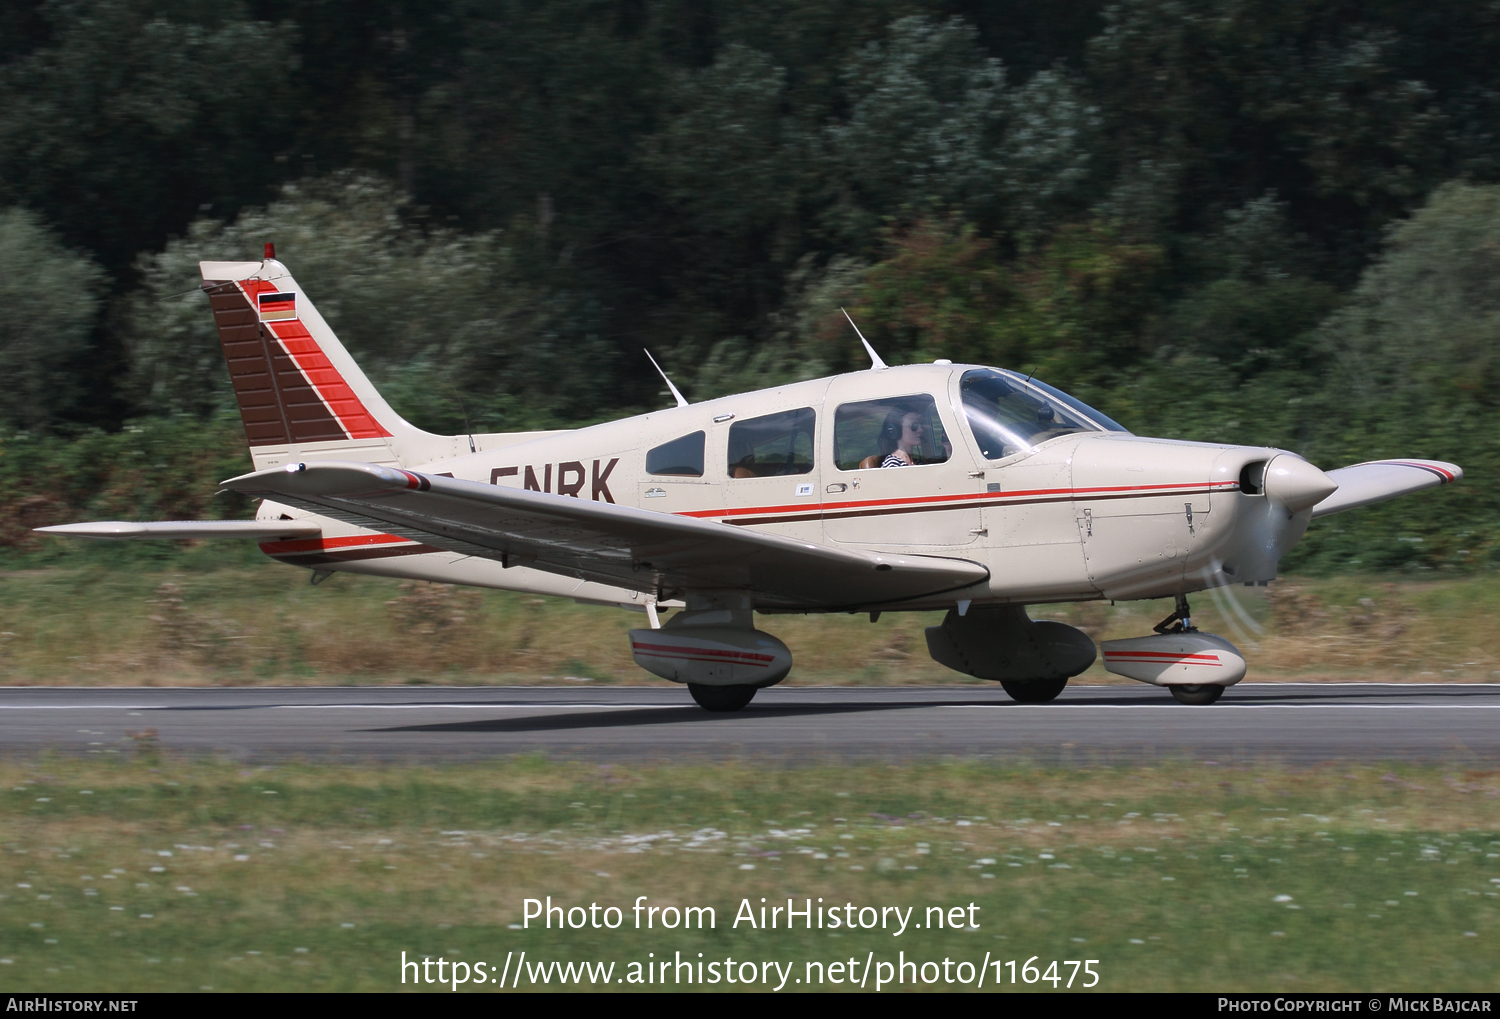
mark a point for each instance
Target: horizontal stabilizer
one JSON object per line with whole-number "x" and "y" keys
{"x": 262, "y": 529}
{"x": 639, "y": 550}
{"x": 1368, "y": 483}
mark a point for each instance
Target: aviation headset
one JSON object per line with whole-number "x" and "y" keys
{"x": 892, "y": 427}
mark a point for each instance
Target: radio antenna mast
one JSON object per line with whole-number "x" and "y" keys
{"x": 875, "y": 362}
{"x": 675, "y": 394}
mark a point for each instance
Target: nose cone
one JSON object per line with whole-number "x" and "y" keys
{"x": 1297, "y": 484}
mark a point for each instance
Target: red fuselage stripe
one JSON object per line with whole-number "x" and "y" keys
{"x": 936, "y": 501}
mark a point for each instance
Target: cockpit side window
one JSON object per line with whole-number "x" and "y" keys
{"x": 682, "y": 458}
{"x": 901, "y": 431}
{"x": 772, "y": 446}
{"x": 1010, "y": 415}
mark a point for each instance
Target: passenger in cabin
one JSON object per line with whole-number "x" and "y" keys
{"x": 902, "y": 438}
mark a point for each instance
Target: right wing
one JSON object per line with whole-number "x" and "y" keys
{"x": 1368, "y": 483}
{"x": 618, "y": 545}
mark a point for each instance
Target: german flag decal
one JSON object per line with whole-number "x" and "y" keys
{"x": 274, "y": 307}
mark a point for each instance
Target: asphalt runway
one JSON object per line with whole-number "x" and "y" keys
{"x": 1293, "y": 723}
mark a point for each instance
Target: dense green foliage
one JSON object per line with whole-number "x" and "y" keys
{"x": 1217, "y": 219}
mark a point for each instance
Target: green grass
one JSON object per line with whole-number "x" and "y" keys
{"x": 1173, "y": 876}
{"x": 265, "y": 624}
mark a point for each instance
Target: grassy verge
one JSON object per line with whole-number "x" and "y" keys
{"x": 170, "y": 875}
{"x": 265, "y": 624}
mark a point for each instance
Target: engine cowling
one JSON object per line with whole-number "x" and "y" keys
{"x": 1192, "y": 658}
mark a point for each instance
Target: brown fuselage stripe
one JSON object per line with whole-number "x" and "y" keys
{"x": 815, "y": 513}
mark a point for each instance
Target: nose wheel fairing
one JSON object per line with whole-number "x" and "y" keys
{"x": 1178, "y": 655}
{"x": 1165, "y": 659}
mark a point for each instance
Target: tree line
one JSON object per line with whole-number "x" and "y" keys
{"x": 1229, "y": 220}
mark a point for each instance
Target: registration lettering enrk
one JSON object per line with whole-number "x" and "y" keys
{"x": 571, "y": 477}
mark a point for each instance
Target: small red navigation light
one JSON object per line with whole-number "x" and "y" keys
{"x": 270, "y": 250}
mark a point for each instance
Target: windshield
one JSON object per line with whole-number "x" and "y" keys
{"x": 1009, "y": 414}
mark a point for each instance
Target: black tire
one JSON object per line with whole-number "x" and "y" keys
{"x": 721, "y": 698}
{"x": 1200, "y": 693}
{"x": 1034, "y": 691}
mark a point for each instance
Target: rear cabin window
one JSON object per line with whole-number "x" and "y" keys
{"x": 903, "y": 431}
{"x": 680, "y": 458}
{"x": 772, "y": 446}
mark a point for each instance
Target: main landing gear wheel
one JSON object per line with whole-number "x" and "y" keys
{"x": 721, "y": 698}
{"x": 1196, "y": 693}
{"x": 1034, "y": 691}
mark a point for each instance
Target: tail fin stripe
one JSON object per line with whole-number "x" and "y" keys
{"x": 326, "y": 381}
{"x": 315, "y": 374}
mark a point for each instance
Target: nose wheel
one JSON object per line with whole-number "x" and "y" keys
{"x": 1196, "y": 693}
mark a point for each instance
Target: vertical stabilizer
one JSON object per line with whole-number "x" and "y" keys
{"x": 300, "y": 393}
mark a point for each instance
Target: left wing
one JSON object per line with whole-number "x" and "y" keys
{"x": 618, "y": 545}
{"x": 1368, "y": 483}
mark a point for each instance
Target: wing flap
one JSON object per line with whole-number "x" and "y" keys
{"x": 1368, "y": 483}
{"x": 257, "y": 529}
{"x": 619, "y": 545}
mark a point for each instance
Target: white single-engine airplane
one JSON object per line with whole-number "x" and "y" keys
{"x": 920, "y": 487}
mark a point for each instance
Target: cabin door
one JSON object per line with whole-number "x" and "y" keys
{"x": 897, "y": 475}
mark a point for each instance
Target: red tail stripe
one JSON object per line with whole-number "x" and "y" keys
{"x": 320, "y": 373}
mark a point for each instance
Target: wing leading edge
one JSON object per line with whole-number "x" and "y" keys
{"x": 1368, "y": 483}
{"x": 619, "y": 545}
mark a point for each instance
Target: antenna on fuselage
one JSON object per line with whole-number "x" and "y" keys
{"x": 875, "y": 361}
{"x": 468, "y": 427}
{"x": 681, "y": 402}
